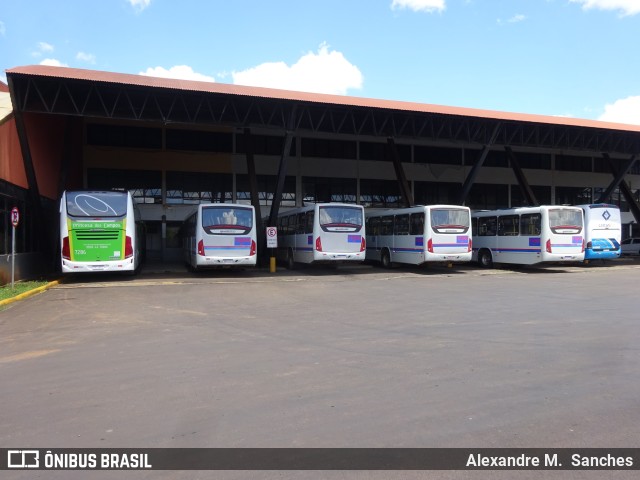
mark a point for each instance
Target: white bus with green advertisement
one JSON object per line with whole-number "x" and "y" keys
{"x": 100, "y": 231}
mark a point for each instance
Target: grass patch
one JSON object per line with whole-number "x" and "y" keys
{"x": 7, "y": 292}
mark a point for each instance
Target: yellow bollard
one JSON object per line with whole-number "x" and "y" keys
{"x": 272, "y": 265}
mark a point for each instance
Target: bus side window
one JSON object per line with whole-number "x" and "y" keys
{"x": 508, "y": 225}
{"x": 309, "y": 222}
{"x": 401, "y": 226}
{"x": 386, "y": 225}
{"x": 290, "y": 224}
{"x": 530, "y": 224}
{"x": 487, "y": 226}
{"x": 474, "y": 227}
{"x": 374, "y": 226}
{"x": 300, "y": 223}
{"x": 416, "y": 224}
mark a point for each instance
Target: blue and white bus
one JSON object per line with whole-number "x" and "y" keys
{"x": 528, "y": 235}
{"x": 322, "y": 233}
{"x": 100, "y": 231}
{"x": 220, "y": 235}
{"x": 421, "y": 234}
{"x": 602, "y": 231}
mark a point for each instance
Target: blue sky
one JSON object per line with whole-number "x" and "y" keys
{"x": 577, "y": 58}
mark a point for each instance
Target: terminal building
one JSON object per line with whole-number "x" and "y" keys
{"x": 177, "y": 143}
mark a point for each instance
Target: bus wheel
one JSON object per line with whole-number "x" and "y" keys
{"x": 385, "y": 259}
{"x": 290, "y": 263}
{"x": 484, "y": 259}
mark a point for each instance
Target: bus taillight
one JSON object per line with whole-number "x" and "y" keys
{"x": 66, "y": 250}
{"x": 201, "y": 248}
{"x": 128, "y": 247}
{"x": 583, "y": 245}
{"x": 469, "y": 246}
{"x": 430, "y": 245}
{"x": 318, "y": 244}
{"x": 363, "y": 244}
{"x": 549, "y": 246}
{"x": 253, "y": 248}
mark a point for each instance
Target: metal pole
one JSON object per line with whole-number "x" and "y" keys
{"x": 13, "y": 256}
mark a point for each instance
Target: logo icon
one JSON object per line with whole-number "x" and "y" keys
{"x": 606, "y": 215}
{"x": 23, "y": 459}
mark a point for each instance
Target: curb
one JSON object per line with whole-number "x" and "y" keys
{"x": 29, "y": 293}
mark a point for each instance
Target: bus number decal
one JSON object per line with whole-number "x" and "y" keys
{"x": 534, "y": 241}
{"x": 354, "y": 238}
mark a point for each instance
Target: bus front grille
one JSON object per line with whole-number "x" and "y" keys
{"x": 97, "y": 235}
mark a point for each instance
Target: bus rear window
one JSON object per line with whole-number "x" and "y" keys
{"x": 449, "y": 220}
{"x": 96, "y": 204}
{"x": 565, "y": 221}
{"x": 341, "y": 219}
{"x": 227, "y": 221}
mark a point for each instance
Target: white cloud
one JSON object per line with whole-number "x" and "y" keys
{"x": 322, "y": 72}
{"x": 52, "y": 62}
{"x": 626, "y": 7}
{"x": 139, "y": 5}
{"x": 625, "y": 110}
{"x": 420, "y": 5}
{"x": 3, "y": 29}
{"x": 45, "y": 47}
{"x": 515, "y": 19}
{"x": 86, "y": 57}
{"x": 179, "y": 72}
{"x": 42, "y": 48}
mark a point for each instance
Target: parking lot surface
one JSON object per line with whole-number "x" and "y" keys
{"x": 353, "y": 357}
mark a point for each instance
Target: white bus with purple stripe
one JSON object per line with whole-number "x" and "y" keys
{"x": 220, "y": 235}
{"x": 321, "y": 233}
{"x": 421, "y": 234}
{"x": 528, "y": 235}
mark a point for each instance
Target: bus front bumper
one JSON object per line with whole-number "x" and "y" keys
{"x": 338, "y": 256}
{"x": 209, "y": 261}
{"x": 69, "y": 266}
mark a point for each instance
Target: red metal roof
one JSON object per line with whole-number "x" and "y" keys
{"x": 223, "y": 88}
{"x": 4, "y": 87}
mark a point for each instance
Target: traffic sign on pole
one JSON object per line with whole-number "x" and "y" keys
{"x": 15, "y": 216}
{"x": 272, "y": 237}
{"x": 15, "y": 220}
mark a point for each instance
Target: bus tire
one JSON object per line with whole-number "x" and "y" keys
{"x": 290, "y": 263}
{"x": 385, "y": 259}
{"x": 484, "y": 258}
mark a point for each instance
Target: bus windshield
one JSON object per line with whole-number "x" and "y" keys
{"x": 341, "y": 219}
{"x": 221, "y": 220}
{"x": 449, "y": 220}
{"x": 96, "y": 204}
{"x": 565, "y": 221}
